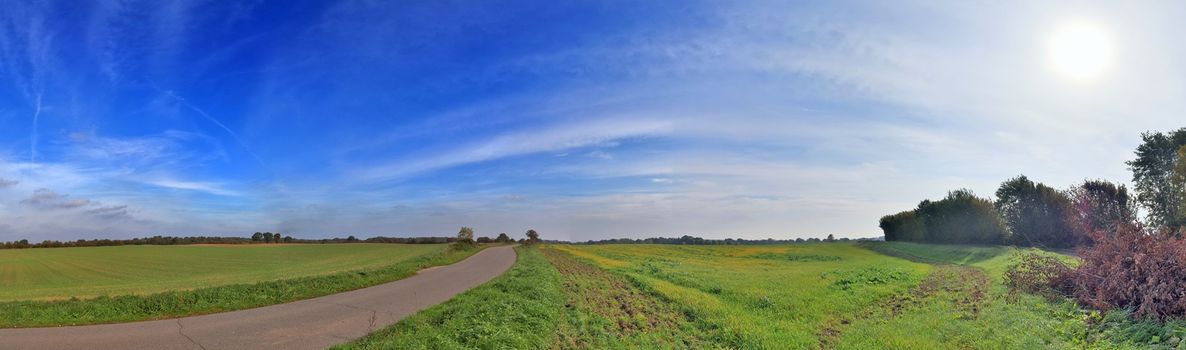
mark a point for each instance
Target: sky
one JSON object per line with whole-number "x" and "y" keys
{"x": 580, "y": 119}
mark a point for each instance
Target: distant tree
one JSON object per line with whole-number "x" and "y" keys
{"x": 267, "y": 237}
{"x": 351, "y": 239}
{"x": 1099, "y": 206}
{"x": 962, "y": 217}
{"x": 465, "y": 235}
{"x": 532, "y": 237}
{"x": 276, "y": 237}
{"x": 831, "y": 238}
{"x": 288, "y": 239}
{"x": 256, "y": 237}
{"x": 1153, "y": 180}
{"x": 904, "y": 226}
{"x": 485, "y": 239}
{"x": 1035, "y": 214}
{"x": 503, "y": 238}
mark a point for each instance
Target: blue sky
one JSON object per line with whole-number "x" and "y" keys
{"x": 583, "y": 120}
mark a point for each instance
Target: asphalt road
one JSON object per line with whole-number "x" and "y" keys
{"x": 308, "y": 324}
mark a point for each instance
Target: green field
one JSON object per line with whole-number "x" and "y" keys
{"x": 153, "y": 282}
{"x": 42, "y": 274}
{"x": 799, "y": 296}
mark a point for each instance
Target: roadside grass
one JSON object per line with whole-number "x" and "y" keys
{"x": 547, "y": 300}
{"x": 519, "y": 310}
{"x": 399, "y": 264}
{"x": 762, "y": 297}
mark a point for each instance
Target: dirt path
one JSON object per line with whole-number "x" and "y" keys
{"x": 308, "y": 324}
{"x": 965, "y": 287}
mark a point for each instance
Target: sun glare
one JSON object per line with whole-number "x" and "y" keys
{"x": 1080, "y": 50}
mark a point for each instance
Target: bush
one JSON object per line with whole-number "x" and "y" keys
{"x": 1037, "y": 273}
{"x": 1129, "y": 268}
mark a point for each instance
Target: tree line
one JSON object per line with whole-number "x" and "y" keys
{"x": 465, "y": 237}
{"x": 1029, "y": 213}
{"x": 692, "y": 240}
{"x": 154, "y": 240}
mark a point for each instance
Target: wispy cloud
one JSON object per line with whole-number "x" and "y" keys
{"x": 549, "y": 139}
{"x": 211, "y": 188}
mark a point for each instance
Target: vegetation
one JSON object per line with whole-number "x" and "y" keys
{"x": 532, "y": 237}
{"x": 959, "y": 218}
{"x": 1152, "y": 175}
{"x": 1098, "y": 205}
{"x": 1036, "y": 214}
{"x": 547, "y": 300}
{"x": 155, "y": 240}
{"x": 465, "y": 236}
{"x": 258, "y": 275}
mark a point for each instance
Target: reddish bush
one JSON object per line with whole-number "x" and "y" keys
{"x": 1131, "y": 268}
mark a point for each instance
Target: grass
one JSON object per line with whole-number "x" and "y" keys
{"x": 46, "y": 274}
{"x": 158, "y": 281}
{"x": 547, "y": 300}
{"x": 867, "y": 296}
{"x": 762, "y": 297}
{"x": 518, "y": 310}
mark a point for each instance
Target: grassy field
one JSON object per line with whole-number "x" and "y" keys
{"x": 42, "y": 274}
{"x": 801, "y": 296}
{"x": 259, "y": 276}
{"x": 548, "y": 300}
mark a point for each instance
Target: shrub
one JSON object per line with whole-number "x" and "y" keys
{"x": 1130, "y": 268}
{"x": 1037, "y": 273}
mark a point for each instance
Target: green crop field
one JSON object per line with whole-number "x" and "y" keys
{"x": 46, "y": 274}
{"x": 798, "y": 296}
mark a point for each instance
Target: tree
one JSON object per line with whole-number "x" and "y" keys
{"x": 288, "y": 239}
{"x": 1179, "y": 182}
{"x": 904, "y": 226}
{"x": 1098, "y": 206}
{"x": 465, "y": 236}
{"x": 1152, "y": 174}
{"x": 276, "y": 237}
{"x": 831, "y": 238}
{"x": 503, "y": 238}
{"x": 1035, "y": 214}
{"x": 351, "y": 239}
{"x": 962, "y": 217}
{"x": 532, "y": 237}
{"x": 485, "y": 239}
{"x": 267, "y": 237}
{"x": 256, "y": 237}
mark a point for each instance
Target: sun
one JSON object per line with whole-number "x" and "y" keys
{"x": 1080, "y": 50}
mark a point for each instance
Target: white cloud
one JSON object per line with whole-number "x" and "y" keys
{"x": 547, "y": 139}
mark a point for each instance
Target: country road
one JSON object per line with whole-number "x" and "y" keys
{"x": 308, "y": 324}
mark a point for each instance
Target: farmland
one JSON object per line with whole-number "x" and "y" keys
{"x": 41, "y": 274}
{"x": 806, "y": 296}
{"x": 129, "y": 283}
